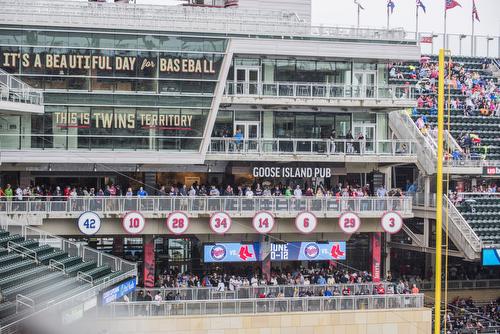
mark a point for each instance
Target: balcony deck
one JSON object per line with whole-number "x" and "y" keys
{"x": 340, "y": 150}
{"x": 319, "y": 94}
{"x": 235, "y": 206}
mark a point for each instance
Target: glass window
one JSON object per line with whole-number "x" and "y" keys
{"x": 247, "y": 115}
{"x": 55, "y": 38}
{"x": 306, "y": 71}
{"x": 192, "y": 44}
{"x": 306, "y": 128}
{"x": 285, "y": 70}
{"x": 80, "y": 39}
{"x": 147, "y": 42}
{"x": 12, "y": 64}
{"x": 365, "y": 66}
{"x": 124, "y": 64}
{"x": 170, "y": 43}
{"x": 214, "y": 45}
{"x": 268, "y": 68}
{"x": 56, "y": 127}
{"x": 124, "y": 125}
{"x": 284, "y": 125}
{"x": 101, "y": 128}
{"x": 146, "y": 64}
{"x": 12, "y": 37}
{"x": 170, "y": 86}
{"x": 103, "y": 41}
{"x": 324, "y": 125}
{"x": 223, "y": 126}
{"x": 125, "y": 41}
{"x": 342, "y": 124}
{"x": 78, "y": 127}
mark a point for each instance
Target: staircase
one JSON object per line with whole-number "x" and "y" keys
{"x": 460, "y": 232}
{"x": 403, "y": 127}
{"x": 18, "y": 97}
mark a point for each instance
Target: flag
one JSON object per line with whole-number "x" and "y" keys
{"x": 421, "y": 5}
{"x": 475, "y": 15}
{"x": 390, "y": 6}
{"x": 450, "y": 4}
{"x": 360, "y": 5}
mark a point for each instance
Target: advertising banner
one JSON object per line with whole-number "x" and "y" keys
{"x": 376, "y": 255}
{"x": 231, "y": 252}
{"x": 491, "y": 257}
{"x": 292, "y": 251}
{"x": 308, "y": 251}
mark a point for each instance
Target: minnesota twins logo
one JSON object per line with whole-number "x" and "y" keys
{"x": 311, "y": 251}
{"x": 218, "y": 252}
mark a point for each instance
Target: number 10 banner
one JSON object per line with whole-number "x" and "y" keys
{"x": 133, "y": 222}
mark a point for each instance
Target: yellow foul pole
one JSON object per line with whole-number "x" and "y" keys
{"x": 439, "y": 196}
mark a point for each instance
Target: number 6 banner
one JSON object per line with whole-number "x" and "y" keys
{"x": 263, "y": 222}
{"x": 349, "y": 222}
{"x": 220, "y": 222}
{"x": 133, "y": 222}
{"x": 177, "y": 222}
{"x": 306, "y": 222}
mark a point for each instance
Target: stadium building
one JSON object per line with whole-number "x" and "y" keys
{"x": 194, "y": 100}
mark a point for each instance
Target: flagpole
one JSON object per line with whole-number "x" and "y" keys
{"x": 416, "y": 24}
{"x": 387, "y": 17}
{"x": 472, "y": 39}
{"x": 444, "y": 36}
{"x": 359, "y": 12}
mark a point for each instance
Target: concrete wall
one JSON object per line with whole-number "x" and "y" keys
{"x": 409, "y": 321}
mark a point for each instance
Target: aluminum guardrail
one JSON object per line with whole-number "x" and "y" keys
{"x": 461, "y": 232}
{"x": 125, "y": 268}
{"x": 207, "y": 204}
{"x": 464, "y": 285}
{"x": 320, "y": 90}
{"x": 246, "y": 292}
{"x": 229, "y": 21}
{"x": 424, "y": 199}
{"x": 284, "y": 146}
{"x": 14, "y": 90}
{"x": 263, "y": 305}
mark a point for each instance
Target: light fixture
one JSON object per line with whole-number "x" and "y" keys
{"x": 50, "y": 168}
{"x": 137, "y": 168}
{"x": 95, "y": 168}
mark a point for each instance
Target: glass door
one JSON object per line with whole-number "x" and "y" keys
{"x": 250, "y": 134}
{"x": 247, "y": 80}
{"x": 367, "y": 132}
{"x": 364, "y": 84}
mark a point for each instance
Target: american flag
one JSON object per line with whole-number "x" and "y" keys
{"x": 475, "y": 15}
{"x": 452, "y": 4}
{"x": 390, "y": 6}
{"x": 421, "y": 5}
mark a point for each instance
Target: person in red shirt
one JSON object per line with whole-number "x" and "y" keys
{"x": 380, "y": 290}
{"x": 414, "y": 289}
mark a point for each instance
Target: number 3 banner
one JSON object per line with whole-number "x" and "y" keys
{"x": 349, "y": 222}
{"x": 263, "y": 222}
{"x": 177, "y": 222}
{"x": 220, "y": 222}
{"x": 306, "y": 222}
{"x": 391, "y": 222}
{"x": 133, "y": 222}
{"x": 89, "y": 223}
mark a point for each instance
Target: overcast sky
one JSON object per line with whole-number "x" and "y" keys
{"x": 343, "y": 12}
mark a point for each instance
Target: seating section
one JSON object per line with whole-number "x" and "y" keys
{"x": 26, "y": 270}
{"x": 474, "y": 98}
{"x": 482, "y": 214}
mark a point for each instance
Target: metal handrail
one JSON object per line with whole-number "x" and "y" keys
{"x": 265, "y": 305}
{"x": 15, "y": 90}
{"x": 241, "y": 205}
{"x": 180, "y": 18}
{"x": 263, "y": 146}
{"x": 319, "y": 90}
{"x": 459, "y": 224}
{"x": 249, "y": 292}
